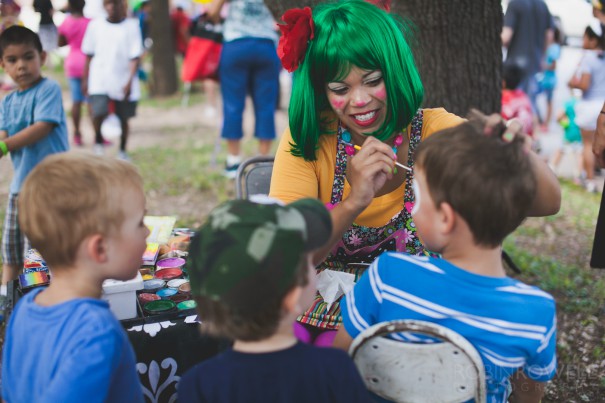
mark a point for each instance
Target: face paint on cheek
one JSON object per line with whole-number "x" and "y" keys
{"x": 381, "y": 94}
{"x": 337, "y": 104}
{"x": 416, "y": 190}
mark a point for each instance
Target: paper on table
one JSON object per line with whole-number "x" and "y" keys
{"x": 332, "y": 284}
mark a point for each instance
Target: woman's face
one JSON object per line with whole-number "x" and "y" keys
{"x": 359, "y": 100}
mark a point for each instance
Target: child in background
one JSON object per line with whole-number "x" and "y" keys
{"x": 47, "y": 29}
{"x": 113, "y": 47}
{"x": 32, "y": 126}
{"x": 71, "y": 32}
{"x": 590, "y": 78}
{"x": 84, "y": 214}
{"x": 547, "y": 79}
{"x": 512, "y": 325}
{"x": 9, "y": 16}
{"x": 515, "y": 102}
{"x": 572, "y": 139}
{"x": 251, "y": 275}
{"x": 181, "y": 24}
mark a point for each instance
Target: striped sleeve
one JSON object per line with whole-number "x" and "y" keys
{"x": 542, "y": 366}
{"x": 360, "y": 307}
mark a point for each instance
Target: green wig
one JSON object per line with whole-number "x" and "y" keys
{"x": 352, "y": 33}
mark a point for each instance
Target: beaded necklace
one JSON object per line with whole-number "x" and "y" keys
{"x": 345, "y": 136}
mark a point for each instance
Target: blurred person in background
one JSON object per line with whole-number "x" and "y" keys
{"x": 590, "y": 79}
{"x": 181, "y": 24}
{"x": 47, "y": 29}
{"x": 71, "y": 33}
{"x": 9, "y": 16}
{"x": 598, "y": 10}
{"x": 515, "y": 102}
{"x": 527, "y": 32}
{"x": 249, "y": 64}
{"x": 547, "y": 79}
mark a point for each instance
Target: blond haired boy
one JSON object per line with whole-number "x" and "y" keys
{"x": 84, "y": 214}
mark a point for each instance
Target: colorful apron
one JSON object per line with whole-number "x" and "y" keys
{"x": 361, "y": 244}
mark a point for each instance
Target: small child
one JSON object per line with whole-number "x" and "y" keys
{"x": 590, "y": 78}
{"x": 547, "y": 79}
{"x": 572, "y": 139}
{"x": 251, "y": 275}
{"x": 32, "y": 126}
{"x": 515, "y": 102}
{"x": 113, "y": 47}
{"x": 71, "y": 32}
{"x": 465, "y": 217}
{"x": 84, "y": 214}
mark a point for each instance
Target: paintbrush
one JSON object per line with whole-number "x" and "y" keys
{"x": 396, "y": 163}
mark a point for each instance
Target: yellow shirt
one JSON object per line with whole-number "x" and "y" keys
{"x": 294, "y": 178}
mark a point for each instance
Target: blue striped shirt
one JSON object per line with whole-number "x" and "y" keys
{"x": 512, "y": 325}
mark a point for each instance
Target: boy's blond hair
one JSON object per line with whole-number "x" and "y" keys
{"x": 70, "y": 196}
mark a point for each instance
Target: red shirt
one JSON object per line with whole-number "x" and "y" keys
{"x": 516, "y": 104}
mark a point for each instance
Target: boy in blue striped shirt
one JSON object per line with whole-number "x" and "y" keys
{"x": 465, "y": 216}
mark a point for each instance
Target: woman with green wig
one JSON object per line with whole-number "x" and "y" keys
{"x": 354, "y": 113}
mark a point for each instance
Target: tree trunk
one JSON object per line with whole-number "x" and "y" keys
{"x": 163, "y": 64}
{"x": 458, "y": 49}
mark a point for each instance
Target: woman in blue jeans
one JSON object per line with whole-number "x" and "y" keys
{"x": 249, "y": 64}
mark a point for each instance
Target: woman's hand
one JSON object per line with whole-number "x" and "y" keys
{"x": 547, "y": 200}
{"x": 368, "y": 171}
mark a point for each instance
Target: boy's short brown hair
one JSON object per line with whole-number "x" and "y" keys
{"x": 70, "y": 196}
{"x": 225, "y": 320}
{"x": 488, "y": 181}
{"x": 18, "y": 35}
{"x": 247, "y": 257}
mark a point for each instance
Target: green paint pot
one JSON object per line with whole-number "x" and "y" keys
{"x": 189, "y": 304}
{"x": 160, "y": 306}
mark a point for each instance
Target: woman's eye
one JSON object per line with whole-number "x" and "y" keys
{"x": 374, "y": 81}
{"x": 339, "y": 90}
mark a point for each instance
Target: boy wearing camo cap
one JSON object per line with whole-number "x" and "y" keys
{"x": 251, "y": 275}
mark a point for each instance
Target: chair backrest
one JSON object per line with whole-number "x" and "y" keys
{"x": 253, "y": 177}
{"x": 401, "y": 371}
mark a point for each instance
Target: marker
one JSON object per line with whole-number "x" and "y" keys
{"x": 396, "y": 163}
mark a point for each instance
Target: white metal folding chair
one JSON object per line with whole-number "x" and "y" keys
{"x": 253, "y": 177}
{"x": 401, "y": 371}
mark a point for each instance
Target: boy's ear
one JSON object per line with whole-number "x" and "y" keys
{"x": 290, "y": 303}
{"x": 95, "y": 247}
{"x": 448, "y": 218}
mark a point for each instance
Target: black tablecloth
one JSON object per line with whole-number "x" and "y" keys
{"x": 165, "y": 347}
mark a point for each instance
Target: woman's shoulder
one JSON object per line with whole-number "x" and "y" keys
{"x": 435, "y": 119}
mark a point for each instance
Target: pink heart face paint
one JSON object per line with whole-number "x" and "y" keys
{"x": 359, "y": 101}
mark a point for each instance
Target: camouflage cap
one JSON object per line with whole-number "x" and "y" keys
{"x": 247, "y": 249}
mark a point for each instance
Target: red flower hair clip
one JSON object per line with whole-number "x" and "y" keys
{"x": 297, "y": 31}
{"x": 384, "y": 4}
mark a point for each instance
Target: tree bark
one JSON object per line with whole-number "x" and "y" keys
{"x": 458, "y": 49}
{"x": 164, "y": 74}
